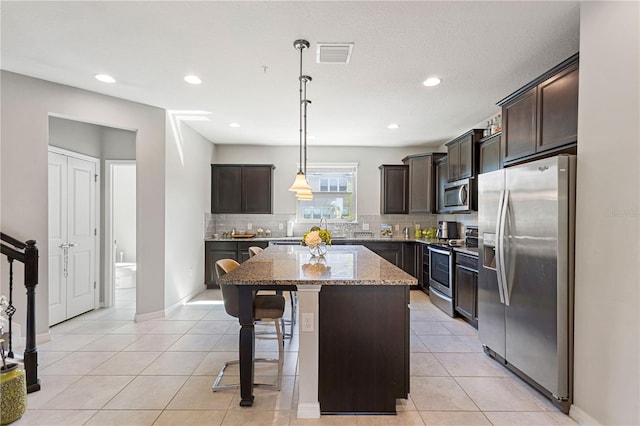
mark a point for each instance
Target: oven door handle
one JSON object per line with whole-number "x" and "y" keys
{"x": 439, "y": 251}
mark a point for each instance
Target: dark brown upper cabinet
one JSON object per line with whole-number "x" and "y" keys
{"x": 394, "y": 189}
{"x": 422, "y": 182}
{"x": 242, "y": 188}
{"x": 442, "y": 178}
{"x": 490, "y": 158}
{"x": 462, "y": 154}
{"x": 542, "y": 116}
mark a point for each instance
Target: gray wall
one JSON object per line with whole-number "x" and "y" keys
{"x": 188, "y": 177}
{"x": 27, "y": 104}
{"x": 607, "y": 299}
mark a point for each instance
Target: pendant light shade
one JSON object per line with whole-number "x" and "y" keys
{"x": 300, "y": 184}
{"x": 304, "y": 195}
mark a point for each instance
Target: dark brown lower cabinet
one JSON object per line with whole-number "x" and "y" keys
{"x": 363, "y": 364}
{"x": 466, "y": 288}
{"x": 216, "y": 250}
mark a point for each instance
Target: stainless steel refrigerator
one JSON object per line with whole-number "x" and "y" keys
{"x": 526, "y": 221}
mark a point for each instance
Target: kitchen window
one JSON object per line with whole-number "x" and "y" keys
{"x": 334, "y": 193}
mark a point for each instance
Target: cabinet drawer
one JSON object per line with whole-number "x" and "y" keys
{"x": 470, "y": 262}
{"x": 222, "y": 245}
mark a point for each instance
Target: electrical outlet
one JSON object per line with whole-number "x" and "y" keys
{"x": 397, "y": 227}
{"x": 307, "y": 322}
{"x": 281, "y": 226}
{"x": 249, "y": 226}
{"x": 365, "y": 226}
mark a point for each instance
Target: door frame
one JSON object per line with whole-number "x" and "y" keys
{"x": 96, "y": 161}
{"x": 110, "y": 253}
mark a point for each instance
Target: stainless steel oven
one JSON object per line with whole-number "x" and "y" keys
{"x": 441, "y": 278}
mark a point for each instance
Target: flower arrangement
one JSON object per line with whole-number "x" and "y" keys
{"x": 315, "y": 237}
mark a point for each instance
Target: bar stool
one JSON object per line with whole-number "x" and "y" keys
{"x": 293, "y": 297}
{"x": 265, "y": 308}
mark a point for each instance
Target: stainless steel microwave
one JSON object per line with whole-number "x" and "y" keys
{"x": 459, "y": 196}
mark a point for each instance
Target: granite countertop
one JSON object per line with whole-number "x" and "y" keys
{"x": 473, "y": 251}
{"x": 293, "y": 265}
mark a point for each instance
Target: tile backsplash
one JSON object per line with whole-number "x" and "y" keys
{"x": 277, "y": 223}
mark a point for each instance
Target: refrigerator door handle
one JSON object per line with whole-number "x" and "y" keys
{"x": 497, "y": 248}
{"x": 502, "y": 271}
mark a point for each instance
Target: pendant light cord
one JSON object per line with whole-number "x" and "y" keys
{"x": 301, "y": 47}
{"x": 306, "y": 79}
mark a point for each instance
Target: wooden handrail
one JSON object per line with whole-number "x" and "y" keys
{"x": 13, "y": 254}
{"x": 27, "y": 253}
{"x": 14, "y": 242}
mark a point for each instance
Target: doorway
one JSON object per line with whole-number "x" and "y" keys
{"x": 73, "y": 234}
{"x": 121, "y": 233}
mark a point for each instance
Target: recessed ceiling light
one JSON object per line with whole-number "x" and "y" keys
{"x": 431, "y": 81}
{"x": 105, "y": 78}
{"x": 192, "y": 79}
{"x": 234, "y": 124}
{"x": 393, "y": 126}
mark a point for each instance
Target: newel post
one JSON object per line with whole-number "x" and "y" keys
{"x": 30, "y": 350}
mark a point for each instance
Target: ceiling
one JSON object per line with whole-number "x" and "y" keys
{"x": 482, "y": 51}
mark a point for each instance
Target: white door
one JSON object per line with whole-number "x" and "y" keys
{"x": 72, "y": 236}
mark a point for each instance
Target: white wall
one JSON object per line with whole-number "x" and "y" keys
{"x": 285, "y": 158}
{"x": 26, "y": 104}
{"x": 188, "y": 174}
{"x": 607, "y": 375}
{"x": 124, "y": 211}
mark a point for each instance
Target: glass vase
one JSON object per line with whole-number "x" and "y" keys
{"x": 319, "y": 250}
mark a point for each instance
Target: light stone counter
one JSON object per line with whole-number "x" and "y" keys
{"x": 294, "y": 265}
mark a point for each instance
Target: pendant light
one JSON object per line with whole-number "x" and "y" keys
{"x": 300, "y": 184}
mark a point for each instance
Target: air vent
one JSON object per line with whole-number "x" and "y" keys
{"x": 333, "y": 53}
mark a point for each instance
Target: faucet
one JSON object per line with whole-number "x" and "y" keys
{"x": 323, "y": 221}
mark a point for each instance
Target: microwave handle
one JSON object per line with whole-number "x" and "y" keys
{"x": 462, "y": 194}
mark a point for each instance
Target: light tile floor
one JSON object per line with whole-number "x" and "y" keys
{"x": 103, "y": 368}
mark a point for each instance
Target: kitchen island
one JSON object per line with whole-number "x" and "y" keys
{"x": 354, "y": 326}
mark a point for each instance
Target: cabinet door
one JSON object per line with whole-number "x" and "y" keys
{"x": 226, "y": 189}
{"x": 421, "y": 185}
{"x": 453, "y": 161}
{"x": 243, "y": 248}
{"x": 465, "y": 292}
{"x": 490, "y": 154}
{"x": 394, "y": 185}
{"x": 409, "y": 259}
{"x": 256, "y": 189}
{"x": 215, "y": 251}
{"x": 425, "y": 269}
{"x": 465, "y": 166}
{"x": 391, "y": 252}
{"x": 558, "y": 109}
{"x": 519, "y": 126}
{"x": 442, "y": 177}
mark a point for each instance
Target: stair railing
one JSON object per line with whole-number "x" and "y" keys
{"x": 27, "y": 254}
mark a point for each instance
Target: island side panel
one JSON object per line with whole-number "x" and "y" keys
{"x": 364, "y": 348}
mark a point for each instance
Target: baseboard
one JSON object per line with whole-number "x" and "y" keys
{"x": 309, "y": 410}
{"x": 149, "y": 316}
{"x": 581, "y": 417}
{"x": 168, "y": 310}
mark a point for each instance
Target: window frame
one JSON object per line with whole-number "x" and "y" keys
{"x": 331, "y": 167}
